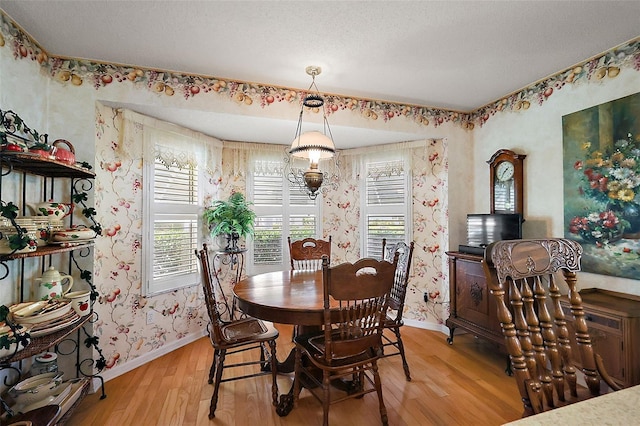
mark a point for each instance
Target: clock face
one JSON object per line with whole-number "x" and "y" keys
{"x": 504, "y": 171}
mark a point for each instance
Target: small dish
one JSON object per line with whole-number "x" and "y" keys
{"x": 63, "y": 306}
{"x": 36, "y": 388}
{"x": 29, "y": 308}
{"x": 63, "y": 391}
{"x": 76, "y": 234}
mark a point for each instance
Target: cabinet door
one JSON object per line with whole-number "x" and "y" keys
{"x": 606, "y": 338}
{"x": 474, "y": 303}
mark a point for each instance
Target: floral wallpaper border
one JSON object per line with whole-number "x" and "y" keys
{"x": 78, "y": 72}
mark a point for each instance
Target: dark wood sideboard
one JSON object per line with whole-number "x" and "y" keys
{"x": 614, "y": 326}
{"x": 613, "y": 318}
{"x": 473, "y": 308}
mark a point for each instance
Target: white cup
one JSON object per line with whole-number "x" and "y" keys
{"x": 80, "y": 301}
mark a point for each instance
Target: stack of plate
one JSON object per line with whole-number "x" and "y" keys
{"x": 45, "y": 316}
{"x": 46, "y": 391}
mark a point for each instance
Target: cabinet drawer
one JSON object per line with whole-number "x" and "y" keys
{"x": 596, "y": 320}
{"x": 606, "y": 339}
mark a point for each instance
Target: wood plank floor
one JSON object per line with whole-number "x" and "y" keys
{"x": 459, "y": 384}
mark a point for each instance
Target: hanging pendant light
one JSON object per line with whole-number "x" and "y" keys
{"x": 311, "y": 145}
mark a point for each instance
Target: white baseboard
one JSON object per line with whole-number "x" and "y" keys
{"x": 119, "y": 370}
{"x": 427, "y": 326}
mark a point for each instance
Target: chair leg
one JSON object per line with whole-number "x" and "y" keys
{"x": 378, "y": 386}
{"x": 212, "y": 370}
{"x": 404, "y": 358}
{"x": 326, "y": 400}
{"x": 296, "y": 375}
{"x": 274, "y": 373}
{"x": 219, "y": 367}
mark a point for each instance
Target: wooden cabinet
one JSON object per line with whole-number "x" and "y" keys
{"x": 613, "y": 318}
{"x": 614, "y": 326}
{"x": 473, "y": 308}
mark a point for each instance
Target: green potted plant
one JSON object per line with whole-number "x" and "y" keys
{"x": 232, "y": 218}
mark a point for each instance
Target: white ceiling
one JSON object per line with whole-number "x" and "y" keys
{"x": 458, "y": 55}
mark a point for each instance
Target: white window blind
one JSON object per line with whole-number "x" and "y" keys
{"x": 172, "y": 210}
{"x": 282, "y": 210}
{"x": 175, "y": 235}
{"x": 386, "y": 206}
{"x": 174, "y": 215}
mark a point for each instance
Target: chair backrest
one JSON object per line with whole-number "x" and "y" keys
{"x": 306, "y": 254}
{"x": 214, "y": 306}
{"x": 533, "y": 322}
{"x": 361, "y": 292}
{"x": 401, "y": 279}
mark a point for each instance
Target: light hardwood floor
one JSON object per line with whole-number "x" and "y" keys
{"x": 459, "y": 384}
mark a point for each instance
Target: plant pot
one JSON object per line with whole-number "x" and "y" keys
{"x": 232, "y": 243}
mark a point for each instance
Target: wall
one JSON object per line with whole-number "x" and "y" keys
{"x": 537, "y": 132}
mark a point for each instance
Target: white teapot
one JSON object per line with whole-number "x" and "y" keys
{"x": 50, "y": 285}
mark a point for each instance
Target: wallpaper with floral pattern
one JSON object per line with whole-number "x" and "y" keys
{"x": 122, "y": 309}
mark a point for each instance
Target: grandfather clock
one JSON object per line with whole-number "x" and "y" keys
{"x": 506, "y": 182}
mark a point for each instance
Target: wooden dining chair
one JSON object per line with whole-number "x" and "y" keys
{"x": 393, "y": 321}
{"x": 355, "y": 298}
{"x": 534, "y": 324}
{"x": 235, "y": 336}
{"x": 306, "y": 254}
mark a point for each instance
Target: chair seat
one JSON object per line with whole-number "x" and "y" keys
{"x": 247, "y": 329}
{"x": 314, "y": 346}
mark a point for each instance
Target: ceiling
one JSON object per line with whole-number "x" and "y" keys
{"x": 457, "y": 55}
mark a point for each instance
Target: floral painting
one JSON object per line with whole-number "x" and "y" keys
{"x": 602, "y": 185}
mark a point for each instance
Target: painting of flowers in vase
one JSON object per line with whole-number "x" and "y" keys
{"x": 601, "y": 156}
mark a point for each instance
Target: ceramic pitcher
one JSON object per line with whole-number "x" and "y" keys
{"x": 50, "y": 285}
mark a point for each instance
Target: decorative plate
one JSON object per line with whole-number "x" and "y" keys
{"x": 80, "y": 234}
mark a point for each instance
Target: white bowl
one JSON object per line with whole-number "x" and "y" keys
{"x": 36, "y": 388}
{"x": 79, "y": 301}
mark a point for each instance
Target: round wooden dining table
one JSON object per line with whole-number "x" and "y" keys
{"x": 285, "y": 297}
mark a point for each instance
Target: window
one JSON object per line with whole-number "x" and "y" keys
{"x": 172, "y": 216}
{"x": 386, "y": 205}
{"x": 282, "y": 210}
{"x": 175, "y": 215}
